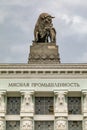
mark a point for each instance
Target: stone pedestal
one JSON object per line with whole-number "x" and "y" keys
{"x": 44, "y": 53}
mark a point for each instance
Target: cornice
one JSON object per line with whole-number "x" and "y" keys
{"x": 44, "y": 66}
{"x": 43, "y": 70}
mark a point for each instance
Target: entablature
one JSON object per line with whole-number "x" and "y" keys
{"x": 45, "y": 70}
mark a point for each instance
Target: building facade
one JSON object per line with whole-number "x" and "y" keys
{"x": 43, "y": 96}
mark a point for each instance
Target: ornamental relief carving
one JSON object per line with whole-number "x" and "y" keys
{"x": 27, "y": 104}
{"x": 60, "y": 103}
{"x": 85, "y": 123}
{"x": 27, "y": 125}
{"x": 2, "y": 125}
{"x": 61, "y": 124}
{"x": 85, "y": 102}
{"x": 2, "y": 103}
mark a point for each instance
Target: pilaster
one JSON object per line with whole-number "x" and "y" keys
{"x": 85, "y": 123}
{"x": 84, "y": 94}
{"x": 27, "y": 110}
{"x": 60, "y": 110}
{"x": 2, "y": 123}
{"x": 84, "y": 101}
{"x": 2, "y": 110}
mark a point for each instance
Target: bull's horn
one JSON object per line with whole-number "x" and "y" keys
{"x": 52, "y": 17}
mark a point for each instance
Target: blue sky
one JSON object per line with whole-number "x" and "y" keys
{"x": 17, "y": 21}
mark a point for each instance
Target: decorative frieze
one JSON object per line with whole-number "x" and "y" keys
{"x": 26, "y": 123}
{"x": 42, "y": 72}
{"x": 61, "y": 123}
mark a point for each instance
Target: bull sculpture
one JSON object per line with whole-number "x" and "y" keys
{"x": 44, "y": 30}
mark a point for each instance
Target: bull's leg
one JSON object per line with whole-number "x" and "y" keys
{"x": 36, "y": 37}
{"x": 46, "y": 38}
{"x": 52, "y": 36}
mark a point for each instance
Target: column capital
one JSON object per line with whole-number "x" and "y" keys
{"x": 31, "y": 92}
{"x": 3, "y": 92}
{"x": 84, "y": 92}
{"x": 56, "y": 92}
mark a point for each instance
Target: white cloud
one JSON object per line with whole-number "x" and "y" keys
{"x": 79, "y": 24}
{"x": 23, "y": 25}
{"x": 75, "y": 2}
{"x": 16, "y": 2}
{"x": 18, "y": 49}
{"x": 21, "y": 15}
{"x": 65, "y": 18}
{"x": 83, "y": 58}
{"x": 3, "y": 16}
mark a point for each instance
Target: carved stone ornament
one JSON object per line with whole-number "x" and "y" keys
{"x": 2, "y": 125}
{"x": 60, "y": 103}
{"x": 85, "y": 123}
{"x": 27, "y": 125}
{"x": 61, "y": 123}
{"x": 85, "y": 102}
{"x": 2, "y": 103}
{"x": 44, "y": 30}
{"x": 27, "y": 104}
